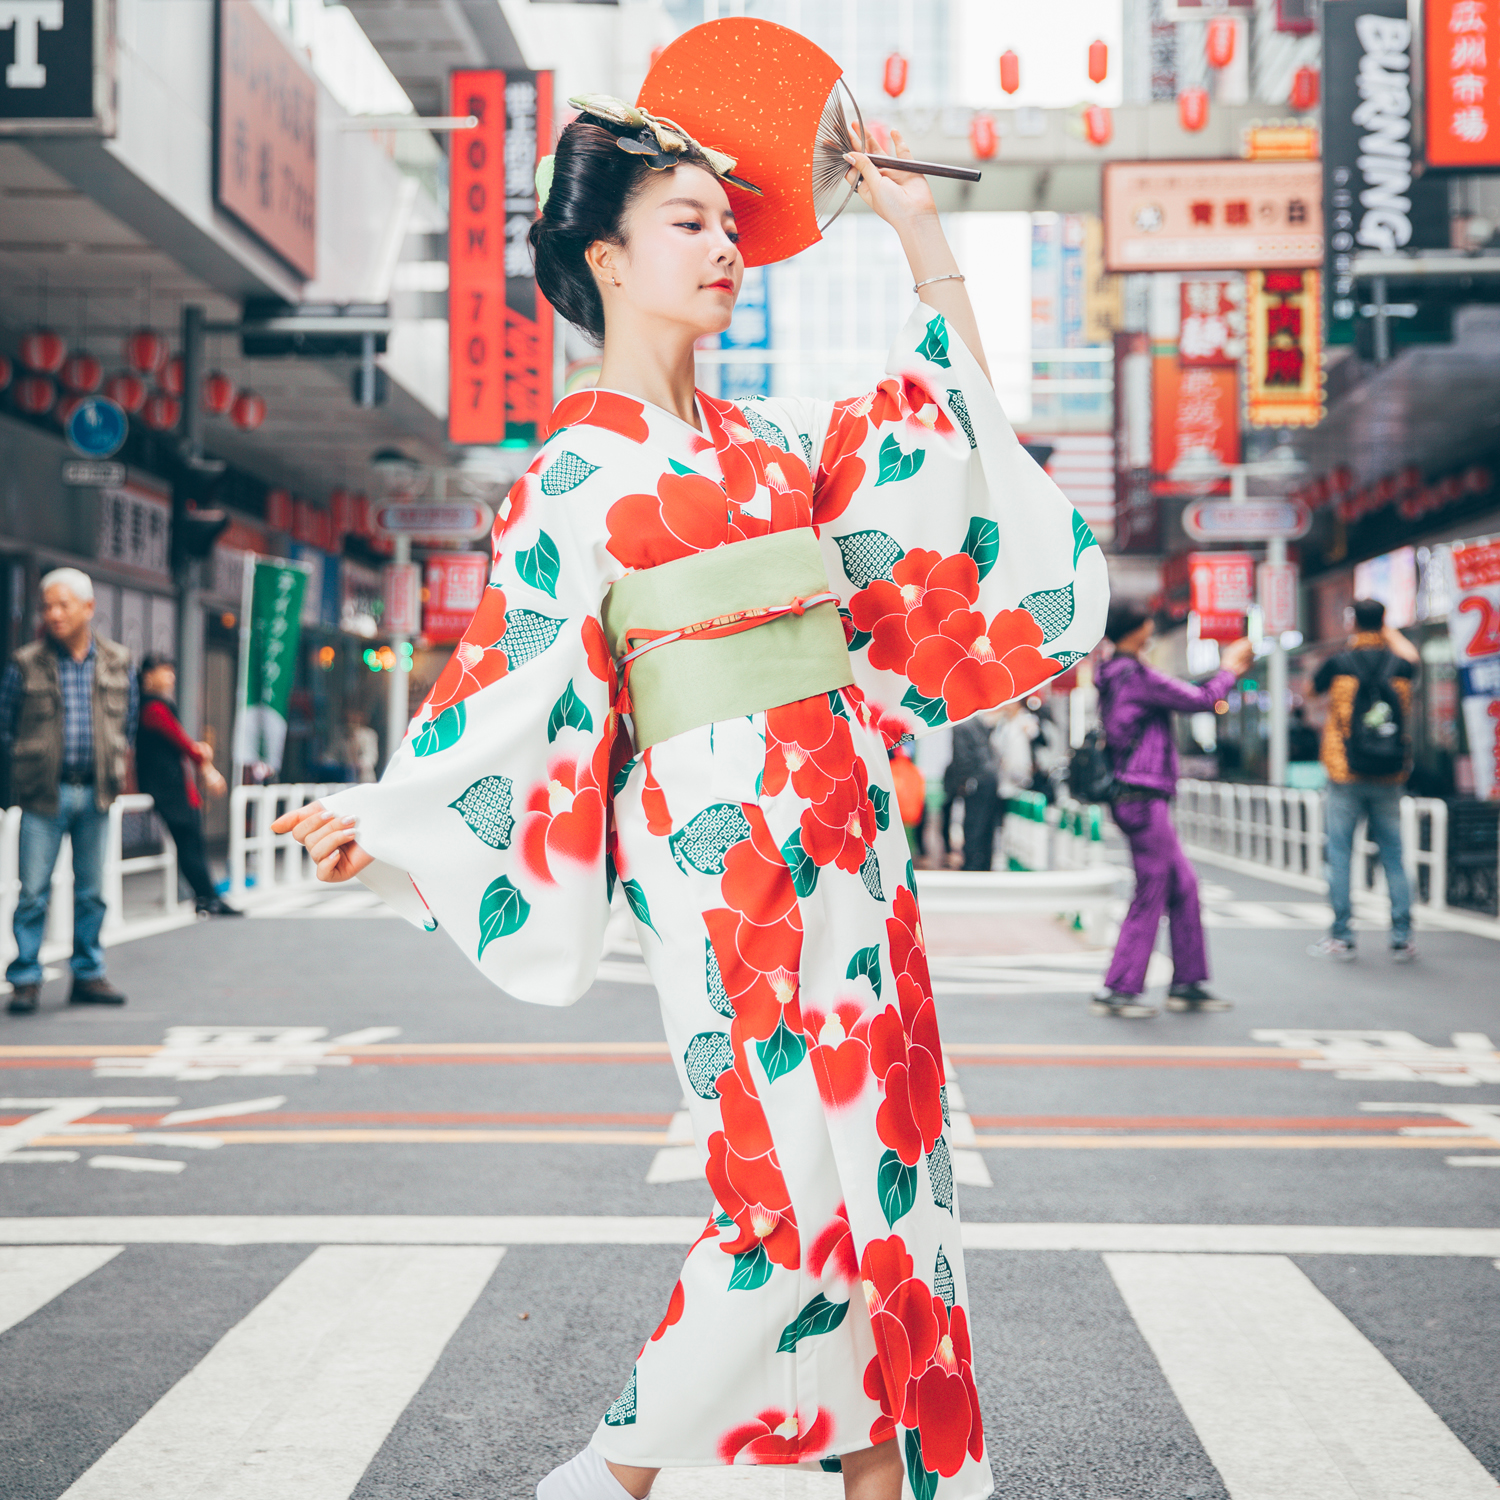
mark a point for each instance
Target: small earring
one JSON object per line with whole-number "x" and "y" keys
{"x": 616, "y": 280}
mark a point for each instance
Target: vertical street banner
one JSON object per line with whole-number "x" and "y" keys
{"x": 1372, "y": 199}
{"x": 270, "y": 632}
{"x": 1474, "y": 626}
{"x": 1283, "y": 356}
{"x": 499, "y": 324}
{"x": 1461, "y": 73}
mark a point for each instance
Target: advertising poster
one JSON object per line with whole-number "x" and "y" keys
{"x": 1284, "y": 358}
{"x": 270, "y": 632}
{"x": 453, "y": 585}
{"x": 1461, "y": 63}
{"x": 1223, "y": 589}
{"x": 1474, "y": 627}
{"x": 1213, "y": 320}
{"x": 1194, "y": 415}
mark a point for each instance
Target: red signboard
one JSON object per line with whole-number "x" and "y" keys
{"x": 1284, "y": 362}
{"x": 454, "y": 585}
{"x": 499, "y": 325}
{"x": 1213, "y": 320}
{"x": 1278, "y": 597}
{"x": 1194, "y": 414}
{"x": 267, "y": 160}
{"x": 1461, "y": 57}
{"x": 1222, "y": 582}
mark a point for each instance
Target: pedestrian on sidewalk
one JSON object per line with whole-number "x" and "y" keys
{"x": 68, "y": 705}
{"x": 168, "y": 762}
{"x": 1367, "y": 754}
{"x": 973, "y": 775}
{"x": 1136, "y": 704}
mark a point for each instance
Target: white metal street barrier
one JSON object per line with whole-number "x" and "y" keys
{"x": 260, "y": 860}
{"x": 59, "y": 935}
{"x": 1062, "y": 835}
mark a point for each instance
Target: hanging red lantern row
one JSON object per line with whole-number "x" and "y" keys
{"x": 983, "y": 140}
{"x": 1192, "y": 109}
{"x": 1098, "y": 125}
{"x": 248, "y": 411}
{"x": 218, "y": 393}
{"x": 65, "y": 408}
{"x": 1219, "y": 41}
{"x": 162, "y": 412}
{"x": 893, "y": 75}
{"x": 43, "y": 350}
{"x": 279, "y": 510}
{"x": 146, "y": 351}
{"x": 1098, "y": 61}
{"x": 82, "y": 374}
{"x": 34, "y": 395}
{"x": 7, "y": 370}
{"x": 171, "y": 377}
{"x": 128, "y": 392}
{"x": 1306, "y": 87}
{"x": 1010, "y": 71}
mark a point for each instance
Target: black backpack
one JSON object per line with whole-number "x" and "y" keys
{"x": 1376, "y": 742}
{"x": 1091, "y": 770}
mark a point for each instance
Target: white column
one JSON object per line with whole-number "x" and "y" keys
{"x": 1276, "y": 679}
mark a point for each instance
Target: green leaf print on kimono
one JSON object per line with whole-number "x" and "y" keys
{"x": 527, "y": 635}
{"x": 539, "y": 566}
{"x": 934, "y": 348}
{"x": 897, "y": 1185}
{"x": 1083, "y": 537}
{"x": 982, "y": 543}
{"x": 1052, "y": 609}
{"x": 485, "y": 807}
{"x": 869, "y": 555}
{"x": 502, "y": 911}
{"x": 866, "y": 962}
{"x": 640, "y": 908}
{"x": 896, "y": 465}
{"x": 708, "y": 1055}
{"x": 707, "y": 837}
{"x": 441, "y": 733}
{"x": 781, "y": 1052}
{"x": 924, "y": 1482}
{"x": 569, "y": 712}
{"x": 566, "y": 473}
{"x": 819, "y": 1316}
{"x": 621, "y": 1411}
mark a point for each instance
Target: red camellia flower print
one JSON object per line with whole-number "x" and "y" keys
{"x": 477, "y": 660}
{"x": 747, "y": 462}
{"x": 809, "y": 744}
{"x": 970, "y": 668}
{"x": 926, "y": 589}
{"x": 606, "y": 409}
{"x": 745, "y": 1174}
{"x": 517, "y": 502}
{"x": 654, "y": 803}
{"x": 673, "y": 1313}
{"x": 840, "y": 1051}
{"x": 687, "y": 514}
{"x": 833, "y": 1249}
{"x": 839, "y": 829}
{"x": 601, "y": 663}
{"x": 564, "y": 817}
{"x": 778, "y": 1437}
{"x": 913, "y": 980}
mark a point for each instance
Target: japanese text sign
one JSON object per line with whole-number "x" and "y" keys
{"x": 1461, "y": 56}
{"x": 1284, "y": 365}
{"x": 1194, "y": 414}
{"x": 1222, "y": 582}
{"x": 1474, "y": 627}
{"x": 1212, "y": 215}
{"x": 1213, "y": 321}
{"x": 267, "y": 167}
{"x": 454, "y": 585}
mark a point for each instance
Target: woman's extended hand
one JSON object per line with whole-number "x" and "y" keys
{"x": 328, "y": 838}
{"x": 900, "y": 198}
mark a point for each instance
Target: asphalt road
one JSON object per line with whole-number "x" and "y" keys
{"x": 385, "y": 1078}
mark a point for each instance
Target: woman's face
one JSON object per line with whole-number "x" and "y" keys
{"x": 680, "y": 262}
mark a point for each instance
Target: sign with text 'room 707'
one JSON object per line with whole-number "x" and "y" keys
{"x": 56, "y": 66}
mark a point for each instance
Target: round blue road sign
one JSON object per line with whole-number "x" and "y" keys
{"x": 96, "y": 427}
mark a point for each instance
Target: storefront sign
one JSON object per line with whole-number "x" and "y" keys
{"x": 1372, "y": 199}
{"x": 1211, "y": 215}
{"x": 83, "y": 471}
{"x": 1213, "y": 320}
{"x": 1461, "y": 64}
{"x": 270, "y": 632}
{"x": 1474, "y": 626}
{"x": 136, "y": 528}
{"x": 1195, "y": 415}
{"x": 499, "y": 325}
{"x": 403, "y": 598}
{"x": 56, "y": 67}
{"x": 449, "y": 520}
{"x": 96, "y": 427}
{"x": 1223, "y": 589}
{"x": 454, "y": 585}
{"x": 1284, "y": 357}
{"x": 1245, "y": 520}
{"x": 1277, "y": 590}
{"x": 266, "y": 159}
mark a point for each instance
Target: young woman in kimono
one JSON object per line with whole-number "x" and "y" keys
{"x": 705, "y": 625}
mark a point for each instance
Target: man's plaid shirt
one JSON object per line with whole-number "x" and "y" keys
{"x": 77, "y": 681}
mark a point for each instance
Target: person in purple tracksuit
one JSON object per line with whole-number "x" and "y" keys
{"x": 1136, "y": 704}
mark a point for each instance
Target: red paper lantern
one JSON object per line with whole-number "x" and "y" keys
{"x": 170, "y": 379}
{"x": 34, "y": 394}
{"x": 43, "y": 351}
{"x": 1010, "y": 71}
{"x": 146, "y": 351}
{"x": 82, "y": 373}
{"x": 341, "y": 507}
{"x": 1192, "y": 109}
{"x": 162, "y": 412}
{"x": 1477, "y": 479}
{"x": 1098, "y": 125}
{"x": 279, "y": 510}
{"x": 248, "y": 411}
{"x": 1098, "y": 61}
{"x": 6, "y": 371}
{"x": 218, "y": 393}
{"x": 982, "y": 138}
{"x": 1306, "y": 86}
{"x": 128, "y": 392}
{"x": 1219, "y": 42}
{"x": 893, "y": 77}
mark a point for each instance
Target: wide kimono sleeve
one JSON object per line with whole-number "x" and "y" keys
{"x": 491, "y": 818}
{"x": 967, "y": 578}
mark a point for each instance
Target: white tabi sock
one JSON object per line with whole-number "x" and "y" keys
{"x": 585, "y": 1476}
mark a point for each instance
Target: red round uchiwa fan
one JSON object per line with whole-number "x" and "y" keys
{"x": 778, "y": 104}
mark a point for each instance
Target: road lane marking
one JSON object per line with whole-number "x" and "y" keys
{"x": 746, "y": 1482}
{"x": 1288, "y": 1398}
{"x": 1392, "y": 1056}
{"x": 296, "y": 1400}
{"x": 45, "y": 1117}
{"x": 137, "y": 1163}
{"x": 605, "y": 1229}
{"x": 31, "y": 1276}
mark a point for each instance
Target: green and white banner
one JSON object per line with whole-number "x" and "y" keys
{"x": 270, "y": 631}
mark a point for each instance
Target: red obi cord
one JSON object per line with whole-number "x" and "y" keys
{"x": 705, "y": 630}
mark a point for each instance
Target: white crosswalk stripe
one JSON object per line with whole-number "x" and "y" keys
{"x": 1289, "y": 1400}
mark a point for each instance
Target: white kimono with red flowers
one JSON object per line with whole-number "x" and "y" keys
{"x": 823, "y": 1307}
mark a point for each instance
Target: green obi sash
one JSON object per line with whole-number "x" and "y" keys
{"x": 685, "y": 684}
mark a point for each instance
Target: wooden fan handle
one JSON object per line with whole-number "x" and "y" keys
{"x": 926, "y": 168}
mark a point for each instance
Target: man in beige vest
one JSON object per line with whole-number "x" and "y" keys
{"x": 68, "y": 706}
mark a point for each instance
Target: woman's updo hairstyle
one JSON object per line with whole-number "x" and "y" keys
{"x": 594, "y": 183}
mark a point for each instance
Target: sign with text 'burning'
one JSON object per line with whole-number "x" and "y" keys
{"x": 499, "y": 324}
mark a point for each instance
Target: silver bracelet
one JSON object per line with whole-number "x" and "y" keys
{"x": 951, "y": 276}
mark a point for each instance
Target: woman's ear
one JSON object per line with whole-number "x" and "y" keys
{"x": 600, "y": 258}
